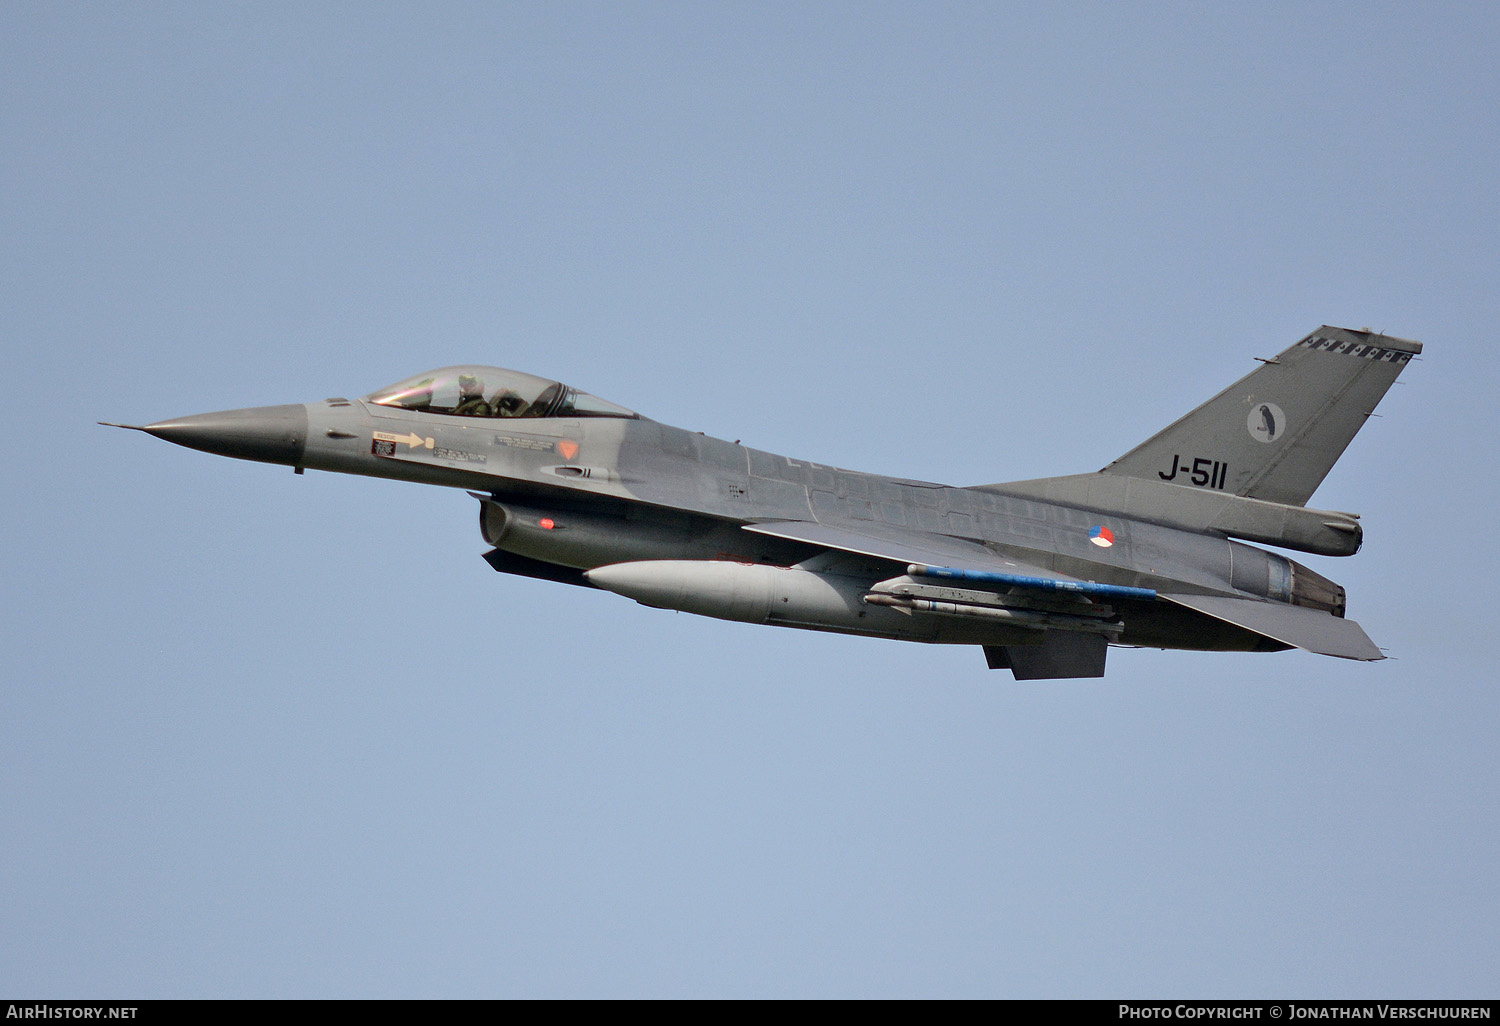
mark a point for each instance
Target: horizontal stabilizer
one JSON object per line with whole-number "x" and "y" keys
{"x": 1309, "y": 629}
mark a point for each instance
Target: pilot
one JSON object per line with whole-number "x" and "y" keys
{"x": 471, "y": 398}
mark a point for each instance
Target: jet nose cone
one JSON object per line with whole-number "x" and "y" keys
{"x": 270, "y": 434}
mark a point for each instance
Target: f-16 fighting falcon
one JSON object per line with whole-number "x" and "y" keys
{"x": 1043, "y": 575}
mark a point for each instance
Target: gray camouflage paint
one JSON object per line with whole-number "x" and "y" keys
{"x": 633, "y": 489}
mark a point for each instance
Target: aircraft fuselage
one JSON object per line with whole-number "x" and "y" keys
{"x": 1150, "y": 551}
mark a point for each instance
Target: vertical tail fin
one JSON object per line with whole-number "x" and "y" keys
{"x": 1277, "y": 432}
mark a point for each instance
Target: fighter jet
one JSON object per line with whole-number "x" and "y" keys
{"x": 1043, "y": 575}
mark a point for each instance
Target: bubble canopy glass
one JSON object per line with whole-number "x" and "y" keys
{"x": 473, "y": 391}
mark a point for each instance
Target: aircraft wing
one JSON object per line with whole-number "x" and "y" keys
{"x": 951, "y": 559}
{"x": 901, "y": 545}
{"x": 1309, "y": 629}
{"x": 1298, "y": 626}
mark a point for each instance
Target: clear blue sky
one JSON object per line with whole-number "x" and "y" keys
{"x": 269, "y": 735}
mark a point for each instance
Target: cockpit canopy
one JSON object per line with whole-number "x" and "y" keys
{"x": 492, "y": 392}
